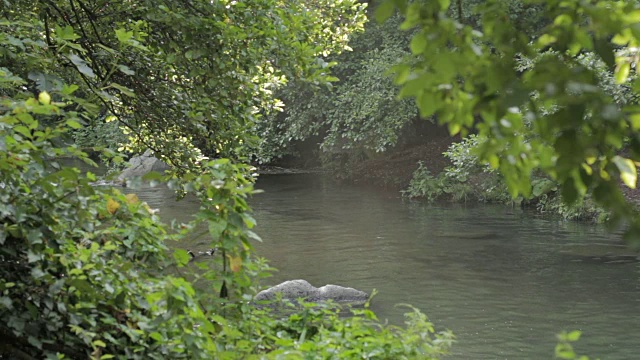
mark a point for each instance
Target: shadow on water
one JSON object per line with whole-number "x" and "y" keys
{"x": 502, "y": 280}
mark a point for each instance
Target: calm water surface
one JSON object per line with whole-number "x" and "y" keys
{"x": 497, "y": 277}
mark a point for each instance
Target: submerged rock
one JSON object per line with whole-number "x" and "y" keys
{"x": 142, "y": 165}
{"x": 295, "y": 289}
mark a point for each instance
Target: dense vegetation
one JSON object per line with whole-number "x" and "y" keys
{"x": 551, "y": 97}
{"x": 359, "y": 114}
{"x": 541, "y": 103}
{"x": 549, "y": 88}
{"x": 85, "y": 271}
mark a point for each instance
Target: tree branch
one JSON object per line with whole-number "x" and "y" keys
{"x": 92, "y": 17}
{"x": 87, "y": 44}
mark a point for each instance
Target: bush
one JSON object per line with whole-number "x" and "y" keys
{"x": 83, "y": 270}
{"x": 466, "y": 179}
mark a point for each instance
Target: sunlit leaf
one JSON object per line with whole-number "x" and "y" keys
{"x": 628, "y": 171}
{"x": 444, "y": 4}
{"x": 418, "y": 44}
{"x": 574, "y": 335}
{"x": 73, "y": 124}
{"x": 66, "y": 33}
{"x": 181, "y": 256}
{"x": 44, "y": 97}
{"x": 123, "y": 35}
{"x": 622, "y": 72}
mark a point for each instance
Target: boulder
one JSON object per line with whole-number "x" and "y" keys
{"x": 142, "y": 165}
{"x": 295, "y": 289}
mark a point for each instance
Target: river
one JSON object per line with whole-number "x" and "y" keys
{"x": 498, "y": 277}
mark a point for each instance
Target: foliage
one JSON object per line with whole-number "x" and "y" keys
{"x": 199, "y": 70}
{"x": 564, "y": 348}
{"x": 82, "y": 267}
{"x": 359, "y": 114}
{"x": 465, "y": 179}
{"x": 468, "y": 179}
{"x": 527, "y": 17}
{"x": 468, "y": 77}
{"x": 321, "y": 331}
{"x": 424, "y": 185}
{"x": 585, "y": 209}
{"x": 100, "y": 135}
{"x": 84, "y": 271}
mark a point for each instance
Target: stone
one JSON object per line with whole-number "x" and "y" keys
{"x": 294, "y": 289}
{"x": 142, "y": 165}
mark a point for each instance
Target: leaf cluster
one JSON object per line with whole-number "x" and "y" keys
{"x": 554, "y": 116}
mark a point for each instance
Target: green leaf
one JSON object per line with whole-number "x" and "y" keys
{"x": 69, "y": 89}
{"x": 182, "y": 257}
{"x": 628, "y": 171}
{"x": 418, "y": 44}
{"x": 35, "y": 342}
{"x": 37, "y": 273}
{"x": 73, "y": 124}
{"x": 66, "y": 33}
{"x": 254, "y": 236}
{"x": 33, "y": 257}
{"x": 6, "y": 302}
{"x": 542, "y": 186}
{"x": 15, "y": 42}
{"x": 216, "y": 227}
{"x": 99, "y": 343}
{"x": 622, "y": 72}
{"x": 23, "y": 130}
{"x": 444, "y": 4}
{"x": 384, "y": 10}
{"x": 569, "y": 191}
{"x": 123, "y": 89}
{"x": 574, "y": 335}
{"x": 82, "y": 66}
{"x": 634, "y": 119}
{"x": 34, "y": 237}
{"x": 402, "y": 74}
{"x": 546, "y": 40}
{"x": 565, "y": 351}
{"x": 45, "y": 82}
{"x": 429, "y": 103}
{"x": 123, "y": 35}
{"x": 126, "y": 70}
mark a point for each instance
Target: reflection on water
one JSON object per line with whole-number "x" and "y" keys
{"x": 495, "y": 276}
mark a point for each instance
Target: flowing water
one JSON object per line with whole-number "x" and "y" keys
{"x": 502, "y": 280}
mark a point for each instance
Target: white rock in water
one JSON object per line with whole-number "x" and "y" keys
{"x": 142, "y": 165}
{"x": 295, "y": 289}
